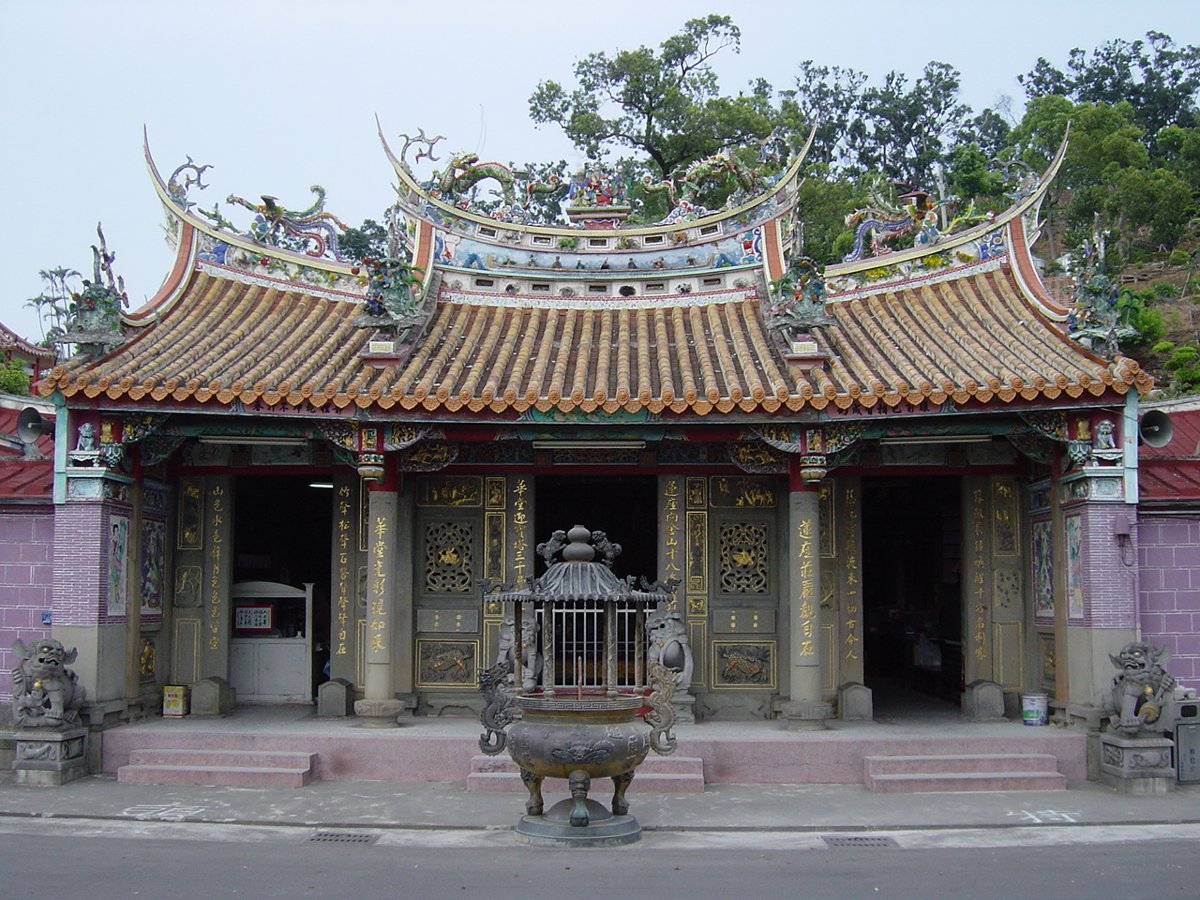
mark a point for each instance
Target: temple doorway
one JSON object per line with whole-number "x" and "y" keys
{"x": 912, "y": 592}
{"x": 282, "y": 533}
{"x": 621, "y": 506}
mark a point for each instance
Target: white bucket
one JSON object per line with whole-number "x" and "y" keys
{"x": 1035, "y": 709}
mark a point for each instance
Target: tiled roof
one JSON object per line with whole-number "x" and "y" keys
{"x": 22, "y": 478}
{"x": 973, "y": 337}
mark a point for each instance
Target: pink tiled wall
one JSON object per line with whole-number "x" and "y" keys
{"x": 26, "y": 581}
{"x": 1169, "y": 577}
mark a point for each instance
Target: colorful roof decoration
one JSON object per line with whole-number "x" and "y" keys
{"x": 707, "y": 312}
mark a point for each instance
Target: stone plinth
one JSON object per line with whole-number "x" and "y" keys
{"x": 46, "y": 756}
{"x": 983, "y": 701}
{"x": 213, "y": 697}
{"x": 1137, "y": 765}
{"x": 335, "y": 698}
{"x": 379, "y": 713}
{"x": 855, "y": 702}
{"x": 806, "y": 715}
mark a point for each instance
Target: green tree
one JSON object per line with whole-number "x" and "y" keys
{"x": 906, "y": 132}
{"x": 664, "y": 104}
{"x": 829, "y": 97}
{"x": 53, "y": 304}
{"x": 369, "y": 240}
{"x": 1160, "y": 80}
{"x": 13, "y": 378}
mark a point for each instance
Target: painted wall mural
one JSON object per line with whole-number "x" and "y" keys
{"x": 118, "y": 574}
{"x": 1043, "y": 570}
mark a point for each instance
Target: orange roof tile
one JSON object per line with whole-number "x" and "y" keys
{"x": 973, "y": 337}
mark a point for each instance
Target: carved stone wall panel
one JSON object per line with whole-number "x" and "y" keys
{"x": 448, "y": 621}
{"x": 698, "y": 639}
{"x": 743, "y": 620}
{"x": 697, "y": 552}
{"x": 455, "y": 491}
{"x": 190, "y": 534}
{"x": 744, "y": 558}
{"x": 742, "y": 492}
{"x": 447, "y": 664}
{"x": 449, "y": 557}
{"x": 495, "y": 489}
{"x": 743, "y": 665}
{"x": 697, "y": 493}
{"x": 493, "y": 544}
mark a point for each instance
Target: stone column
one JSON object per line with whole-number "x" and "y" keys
{"x": 379, "y": 708}
{"x": 404, "y": 599}
{"x": 806, "y": 709}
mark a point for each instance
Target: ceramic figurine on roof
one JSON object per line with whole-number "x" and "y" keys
{"x": 95, "y": 312}
{"x": 597, "y": 196}
{"x": 311, "y": 231}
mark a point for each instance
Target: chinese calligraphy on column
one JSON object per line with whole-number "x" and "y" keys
{"x": 851, "y": 584}
{"x": 216, "y": 520}
{"x": 343, "y": 540}
{"x": 377, "y": 606}
{"x": 806, "y": 606}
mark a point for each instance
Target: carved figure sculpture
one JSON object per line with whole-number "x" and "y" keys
{"x": 1139, "y": 688}
{"x": 872, "y": 227}
{"x": 669, "y": 646}
{"x": 498, "y": 710}
{"x": 531, "y": 659}
{"x": 46, "y": 694}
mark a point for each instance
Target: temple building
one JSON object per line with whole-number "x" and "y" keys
{"x": 898, "y": 472}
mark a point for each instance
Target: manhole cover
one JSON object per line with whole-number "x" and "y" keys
{"x": 343, "y": 837}
{"x": 841, "y": 841}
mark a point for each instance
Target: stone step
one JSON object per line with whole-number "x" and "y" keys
{"x": 263, "y": 759}
{"x": 966, "y": 782}
{"x": 967, "y": 762}
{"x": 240, "y": 768}
{"x": 661, "y": 774}
{"x": 965, "y": 772}
{"x": 230, "y": 776}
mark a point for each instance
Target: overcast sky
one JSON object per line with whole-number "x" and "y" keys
{"x": 278, "y": 95}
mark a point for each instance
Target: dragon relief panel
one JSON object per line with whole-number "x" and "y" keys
{"x": 743, "y": 664}
{"x": 449, "y": 557}
{"x": 743, "y": 558}
{"x": 443, "y": 664}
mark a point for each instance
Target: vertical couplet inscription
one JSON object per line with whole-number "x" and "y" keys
{"x": 217, "y": 520}
{"x": 671, "y": 567}
{"x": 378, "y": 608}
{"x": 807, "y": 607}
{"x": 978, "y": 576}
{"x": 343, "y": 567}
{"x": 520, "y": 520}
{"x": 851, "y": 585}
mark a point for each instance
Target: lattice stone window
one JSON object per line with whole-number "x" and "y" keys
{"x": 448, "y": 558}
{"x": 743, "y": 558}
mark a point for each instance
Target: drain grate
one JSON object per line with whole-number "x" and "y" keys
{"x": 844, "y": 841}
{"x": 343, "y": 837}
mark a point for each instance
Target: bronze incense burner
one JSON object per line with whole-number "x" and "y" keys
{"x": 571, "y": 697}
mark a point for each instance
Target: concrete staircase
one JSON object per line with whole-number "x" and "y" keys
{"x": 664, "y": 774}
{"x": 240, "y": 768}
{"x": 964, "y": 772}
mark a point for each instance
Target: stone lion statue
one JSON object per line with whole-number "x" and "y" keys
{"x": 46, "y": 694}
{"x": 669, "y": 646}
{"x": 1139, "y": 688}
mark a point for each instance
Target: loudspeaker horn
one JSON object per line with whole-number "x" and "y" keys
{"x": 1155, "y": 429}
{"x": 31, "y": 425}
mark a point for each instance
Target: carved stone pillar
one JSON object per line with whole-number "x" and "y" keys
{"x": 379, "y": 708}
{"x": 806, "y": 709}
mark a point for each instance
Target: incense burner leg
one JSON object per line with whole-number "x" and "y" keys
{"x": 580, "y": 782}
{"x": 533, "y": 783}
{"x": 620, "y": 806}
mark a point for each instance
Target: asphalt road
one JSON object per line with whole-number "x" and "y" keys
{"x": 124, "y": 862}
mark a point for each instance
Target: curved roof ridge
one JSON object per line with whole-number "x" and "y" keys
{"x": 1016, "y": 210}
{"x": 409, "y": 180}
